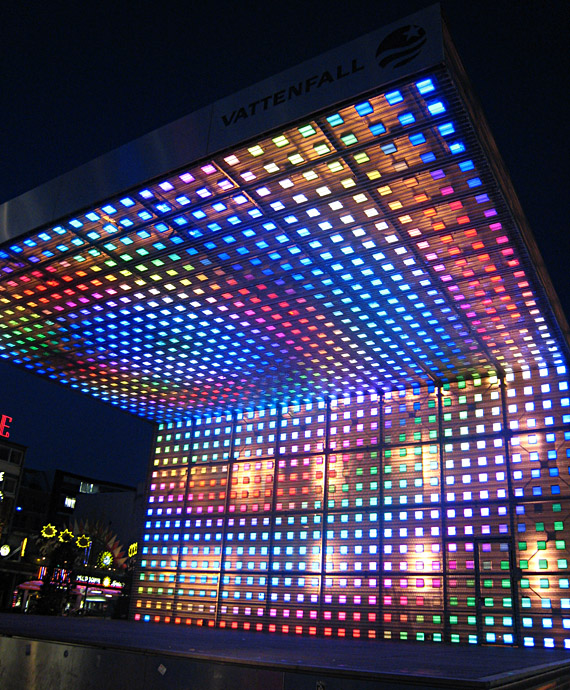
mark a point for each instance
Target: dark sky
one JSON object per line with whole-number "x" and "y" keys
{"x": 79, "y": 79}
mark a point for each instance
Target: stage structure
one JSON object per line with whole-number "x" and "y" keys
{"x": 324, "y": 291}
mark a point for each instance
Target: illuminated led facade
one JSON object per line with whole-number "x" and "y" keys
{"x": 359, "y": 372}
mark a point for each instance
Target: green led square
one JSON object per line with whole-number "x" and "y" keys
{"x": 540, "y": 526}
{"x": 522, "y": 545}
{"x": 562, "y": 563}
{"x": 560, "y": 543}
{"x": 544, "y": 583}
{"x": 307, "y": 131}
{"x": 348, "y": 138}
{"x": 321, "y": 148}
{"x": 558, "y": 526}
{"x": 541, "y": 545}
{"x": 542, "y": 563}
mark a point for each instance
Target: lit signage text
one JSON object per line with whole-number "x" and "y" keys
{"x": 4, "y": 425}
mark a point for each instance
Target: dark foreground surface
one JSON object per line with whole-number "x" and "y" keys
{"x": 48, "y": 652}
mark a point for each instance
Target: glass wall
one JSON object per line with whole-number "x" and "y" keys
{"x": 427, "y": 514}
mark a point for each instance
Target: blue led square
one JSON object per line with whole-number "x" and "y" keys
{"x": 427, "y": 157}
{"x": 394, "y": 97}
{"x": 416, "y": 139}
{"x": 466, "y": 165}
{"x": 127, "y": 202}
{"x": 109, "y": 209}
{"x": 436, "y": 108}
{"x": 446, "y": 129}
{"x": 145, "y": 215}
{"x": 389, "y": 148}
{"x": 183, "y": 200}
{"x": 457, "y": 147}
{"x": 425, "y": 86}
{"x": 406, "y": 119}
{"x": 219, "y": 206}
{"x": 180, "y": 220}
{"x": 364, "y": 108}
{"x": 474, "y": 182}
{"x": 335, "y": 120}
{"x": 199, "y": 214}
{"x": 377, "y": 128}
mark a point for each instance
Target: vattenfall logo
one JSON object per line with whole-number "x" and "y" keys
{"x": 401, "y": 46}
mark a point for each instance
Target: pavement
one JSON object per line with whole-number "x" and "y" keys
{"x": 373, "y": 659}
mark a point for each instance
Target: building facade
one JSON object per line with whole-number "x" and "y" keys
{"x": 324, "y": 291}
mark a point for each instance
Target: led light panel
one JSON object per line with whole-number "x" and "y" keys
{"x": 360, "y": 385}
{"x": 363, "y": 250}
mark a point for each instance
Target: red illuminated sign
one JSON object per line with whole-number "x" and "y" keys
{"x": 4, "y": 425}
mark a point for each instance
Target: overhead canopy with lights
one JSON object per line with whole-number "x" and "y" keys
{"x": 366, "y": 246}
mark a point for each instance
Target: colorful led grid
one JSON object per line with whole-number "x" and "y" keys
{"x": 300, "y": 483}
{"x": 361, "y": 387}
{"x": 365, "y": 248}
{"x": 412, "y": 541}
{"x": 481, "y": 594}
{"x": 243, "y": 598}
{"x": 410, "y": 416}
{"x": 355, "y": 422}
{"x": 472, "y": 409}
{"x": 256, "y": 435}
{"x": 350, "y": 606}
{"x": 299, "y": 566}
{"x": 294, "y": 604}
{"x": 412, "y": 608}
{"x": 475, "y": 471}
{"x": 352, "y": 542}
{"x": 297, "y": 543}
{"x": 411, "y": 476}
{"x": 206, "y": 490}
{"x": 353, "y": 480}
{"x": 303, "y": 428}
{"x": 252, "y": 486}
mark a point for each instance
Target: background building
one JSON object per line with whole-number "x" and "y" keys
{"x": 325, "y": 292}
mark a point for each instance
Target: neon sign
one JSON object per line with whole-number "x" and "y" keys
{"x": 4, "y": 425}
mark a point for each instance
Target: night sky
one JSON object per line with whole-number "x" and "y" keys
{"x": 79, "y": 79}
